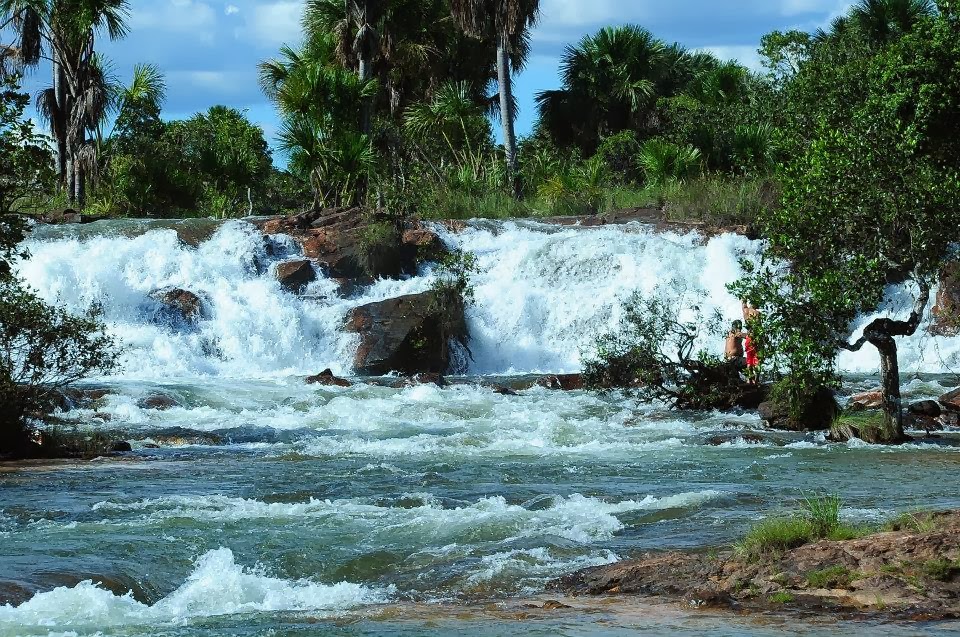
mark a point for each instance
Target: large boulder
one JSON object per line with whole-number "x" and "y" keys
{"x": 327, "y": 379}
{"x": 178, "y": 306}
{"x": 819, "y": 414}
{"x": 863, "y": 401}
{"x": 409, "y": 334}
{"x": 295, "y": 275}
{"x": 946, "y": 312}
{"x": 951, "y": 401}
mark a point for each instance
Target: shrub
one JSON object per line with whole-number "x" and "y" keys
{"x": 832, "y": 577}
{"x": 916, "y": 522}
{"x": 620, "y": 154}
{"x": 42, "y": 349}
{"x": 781, "y": 597}
{"x": 379, "y": 246}
{"x": 823, "y": 513}
{"x": 775, "y": 535}
{"x": 664, "y": 161}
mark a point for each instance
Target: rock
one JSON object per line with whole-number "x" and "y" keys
{"x": 922, "y": 422}
{"x": 327, "y": 378}
{"x": 425, "y": 244}
{"x": 721, "y": 439}
{"x": 426, "y": 379}
{"x": 946, "y": 311}
{"x": 819, "y": 415}
{"x": 121, "y": 446}
{"x": 872, "y": 399}
{"x": 552, "y": 604}
{"x": 158, "y": 402}
{"x": 562, "y": 382}
{"x": 503, "y": 391}
{"x": 930, "y": 408}
{"x": 179, "y": 306}
{"x": 409, "y": 334}
{"x": 295, "y": 275}
{"x": 951, "y": 400}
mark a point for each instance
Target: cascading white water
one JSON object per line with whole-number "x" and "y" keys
{"x": 543, "y": 294}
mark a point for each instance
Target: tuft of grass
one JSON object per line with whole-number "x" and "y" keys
{"x": 782, "y": 597}
{"x": 916, "y": 522}
{"x": 775, "y": 535}
{"x": 833, "y": 577}
{"x": 880, "y": 604}
{"x": 941, "y": 570}
{"x": 823, "y": 512}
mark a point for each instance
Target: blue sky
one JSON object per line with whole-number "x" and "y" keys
{"x": 209, "y": 49}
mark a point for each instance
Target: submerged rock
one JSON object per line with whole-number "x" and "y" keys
{"x": 179, "y": 306}
{"x": 562, "y": 382}
{"x": 409, "y": 335}
{"x": 158, "y": 402}
{"x": 295, "y": 275}
{"x": 327, "y": 378}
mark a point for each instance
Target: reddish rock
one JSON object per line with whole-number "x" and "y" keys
{"x": 951, "y": 400}
{"x": 327, "y": 378}
{"x": 295, "y": 275}
{"x": 946, "y": 312}
{"x": 409, "y": 334}
{"x": 866, "y": 400}
{"x": 563, "y": 382}
{"x": 158, "y": 402}
{"x": 425, "y": 244}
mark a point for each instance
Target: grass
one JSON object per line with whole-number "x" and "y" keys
{"x": 818, "y": 519}
{"x": 916, "y": 522}
{"x": 941, "y": 570}
{"x": 833, "y": 577}
{"x": 781, "y": 597}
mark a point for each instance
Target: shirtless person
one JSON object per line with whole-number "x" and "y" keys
{"x": 733, "y": 350}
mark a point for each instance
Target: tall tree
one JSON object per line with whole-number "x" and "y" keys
{"x": 64, "y": 32}
{"x": 506, "y": 21}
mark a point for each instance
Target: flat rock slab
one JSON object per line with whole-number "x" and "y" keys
{"x": 903, "y": 574}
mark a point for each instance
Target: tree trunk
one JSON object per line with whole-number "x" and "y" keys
{"x": 506, "y": 112}
{"x": 60, "y": 96}
{"x": 890, "y": 383}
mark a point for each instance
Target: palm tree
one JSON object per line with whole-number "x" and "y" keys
{"x": 452, "y": 116}
{"x": 611, "y": 81}
{"x": 883, "y": 21}
{"x": 507, "y": 21}
{"x": 64, "y": 32}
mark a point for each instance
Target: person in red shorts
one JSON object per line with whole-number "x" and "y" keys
{"x": 753, "y": 360}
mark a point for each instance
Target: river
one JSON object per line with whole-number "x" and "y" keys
{"x": 261, "y": 505}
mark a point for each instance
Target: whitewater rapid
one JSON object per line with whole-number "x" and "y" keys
{"x": 543, "y": 294}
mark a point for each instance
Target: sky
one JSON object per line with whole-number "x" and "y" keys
{"x": 209, "y": 49}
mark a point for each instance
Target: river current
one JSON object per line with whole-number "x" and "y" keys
{"x": 261, "y": 505}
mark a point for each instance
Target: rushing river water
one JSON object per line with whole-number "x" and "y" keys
{"x": 261, "y": 505}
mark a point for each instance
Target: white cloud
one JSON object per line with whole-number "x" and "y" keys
{"x": 226, "y": 83}
{"x": 231, "y": 9}
{"x": 179, "y": 16}
{"x": 276, "y": 23}
{"x": 567, "y": 13}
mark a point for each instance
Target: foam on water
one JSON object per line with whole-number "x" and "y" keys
{"x": 217, "y": 586}
{"x": 577, "y": 518}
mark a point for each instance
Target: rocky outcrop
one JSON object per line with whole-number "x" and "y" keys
{"x": 863, "y": 401}
{"x": 178, "y": 306}
{"x": 409, "y": 334}
{"x": 951, "y": 401}
{"x": 327, "y": 379}
{"x": 946, "y": 312}
{"x": 819, "y": 415}
{"x": 902, "y": 573}
{"x": 338, "y": 239}
{"x": 295, "y": 275}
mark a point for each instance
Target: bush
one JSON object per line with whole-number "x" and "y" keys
{"x": 832, "y": 577}
{"x": 42, "y": 349}
{"x": 620, "y": 154}
{"x": 717, "y": 200}
{"x": 664, "y": 161}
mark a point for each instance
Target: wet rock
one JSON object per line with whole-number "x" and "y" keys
{"x": 863, "y": 401}
{"x": 427, "y": 379}
{"x": 946, "y": 311}
{"x": 121, "y": 446}
{"x": 818, "y": 416}
{"x": 552, "y": 604}
{"x": 326, "y": 378}
{"x": 409, "y": 334}
{"x": 503, "y": 391}
{"x": 951, "y": 401}
{"x": 749, "y": 438}
{"x": 930, "y": 408}
{"x": 179, "y": 306}
{"x": 921, "y": 422}
{"x": 424, "y": 244}
{"x": 561, "y": 382}
{"x": 158, "y": 402}
{"x": 295, "y": 275}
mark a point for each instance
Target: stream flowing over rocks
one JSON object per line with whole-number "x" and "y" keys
{"x": 272, "y": 484}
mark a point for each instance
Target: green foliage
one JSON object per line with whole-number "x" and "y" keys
{"x": 379, "y": 244}
{"x": 620, "y": 154}
{"x": 823, "y": 513}
{"x": 26, "y": 163}
{"x": 941, "y": 569}
{"x": 653, "y": 354}
{"x": 781, "y": 597}
{"x": 915, "y": 522}
{"x": 452, "y": 282}
{"x": 832, "y": 577}
{"x": 716, "y": 200}
{"x": 775, "y": 535}
{"x": 664, "y": 161}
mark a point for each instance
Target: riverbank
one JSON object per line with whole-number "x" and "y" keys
{"x": 911, "y": 571}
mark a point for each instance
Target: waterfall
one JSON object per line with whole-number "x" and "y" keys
{"x": 542, "y": 296}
